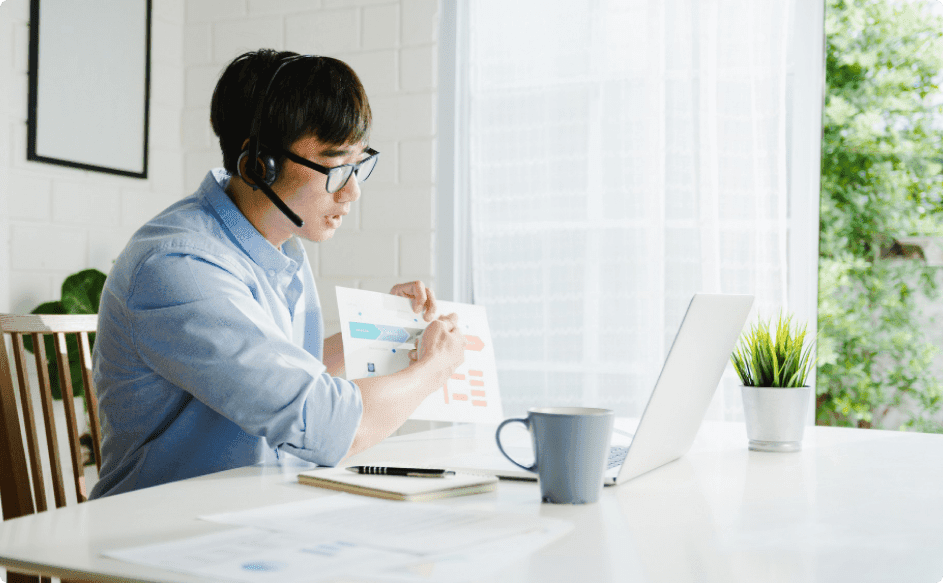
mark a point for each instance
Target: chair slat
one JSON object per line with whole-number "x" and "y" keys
{"x": 68, "y": 401}
{"x": 48, "y": 324}
{"x": 91, "y": 401}
{"x": 29, "y": 421}
{"x": 52, "y": 442}
{"x": 16, "y": 494}
{"x": 14, "y": 482}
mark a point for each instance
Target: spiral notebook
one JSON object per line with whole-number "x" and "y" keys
{"x": 398, "y": 487}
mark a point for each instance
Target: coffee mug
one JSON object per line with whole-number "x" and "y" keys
{"x": 571, "y": 447}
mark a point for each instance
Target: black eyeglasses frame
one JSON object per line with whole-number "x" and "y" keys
{"x": 371, "y": 154}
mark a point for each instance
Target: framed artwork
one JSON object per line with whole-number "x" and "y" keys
{"x": 89, "y": 81}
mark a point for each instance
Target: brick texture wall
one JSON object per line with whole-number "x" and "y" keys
{"x": 57, "y": 220}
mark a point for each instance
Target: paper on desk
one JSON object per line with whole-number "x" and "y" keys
{"x": 420, "y": 528}
{"x": 266, "y": 556}
{"x": 477, "y": 562}
{"x": 257, "y": 555}
{"x": 378, "y": 331}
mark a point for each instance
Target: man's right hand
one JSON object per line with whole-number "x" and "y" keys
{"x": 442, "y": 345}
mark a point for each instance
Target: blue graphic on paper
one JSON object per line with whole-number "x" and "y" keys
{"x": 262, "y": 566}
{"x": 395, "y": 334}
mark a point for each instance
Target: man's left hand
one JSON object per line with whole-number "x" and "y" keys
{"x": 422, "y": 298}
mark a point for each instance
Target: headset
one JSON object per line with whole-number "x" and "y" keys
{"x": 261, "y": 173}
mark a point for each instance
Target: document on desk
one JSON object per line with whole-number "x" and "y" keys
{"x": 379, "y": 330}
{"x": 347, "y": 535}
{"x": 421, "y": 529}
{"x": 253, "y": 554}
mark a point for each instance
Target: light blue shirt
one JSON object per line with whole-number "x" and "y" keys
{"x": 208, "y": 352}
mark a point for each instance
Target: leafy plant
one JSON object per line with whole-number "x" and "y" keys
{"x": 780, "y": 359}
{"x": 881, "y": 180}
{"x": 81, "y": 294}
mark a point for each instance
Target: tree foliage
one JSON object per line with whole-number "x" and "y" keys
{"x": 882, "y": 158}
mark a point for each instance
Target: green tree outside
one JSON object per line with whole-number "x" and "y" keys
{"x": 882, "y": 158}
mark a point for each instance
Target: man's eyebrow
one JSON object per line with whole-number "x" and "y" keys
{"x": 335, "y": 152}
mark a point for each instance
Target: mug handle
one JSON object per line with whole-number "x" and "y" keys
{"x": 497, "y": 437}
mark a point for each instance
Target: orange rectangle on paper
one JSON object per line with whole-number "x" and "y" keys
{"x": 478, "y": 393}
{"x": 477, "y": 383}
{"x": 479, "y": 404}
{"x": 459, "y": 397}
{"x": 476, "y": 373}
{"x": 458, "y": 377}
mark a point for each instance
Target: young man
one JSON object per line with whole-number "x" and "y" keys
{"x": 210, "y": 352}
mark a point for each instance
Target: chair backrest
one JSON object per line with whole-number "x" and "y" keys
{"x": 16, "y": 496}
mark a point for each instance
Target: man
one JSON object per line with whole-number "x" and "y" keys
{"x": 210, "y": 352}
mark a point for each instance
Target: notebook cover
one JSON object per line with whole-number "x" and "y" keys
{"x": 397, "y": 487}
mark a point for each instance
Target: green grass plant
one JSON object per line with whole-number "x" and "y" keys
{"x": 774, "y": 358}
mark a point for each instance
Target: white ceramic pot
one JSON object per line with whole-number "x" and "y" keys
{"x": 775, "y": 417}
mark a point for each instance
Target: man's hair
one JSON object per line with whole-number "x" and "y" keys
{"x": 317, "y": 96}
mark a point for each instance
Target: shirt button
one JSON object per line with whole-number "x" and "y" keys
{"x": 271, "y": 273}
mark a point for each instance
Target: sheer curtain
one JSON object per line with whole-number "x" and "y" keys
{"x": 622, "y": 155}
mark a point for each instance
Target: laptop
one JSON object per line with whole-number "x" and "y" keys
{"x": 690, "y": 376}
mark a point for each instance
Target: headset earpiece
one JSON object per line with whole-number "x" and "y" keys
{"x": 264, "y": 170}
{"x": 262, "y": 174}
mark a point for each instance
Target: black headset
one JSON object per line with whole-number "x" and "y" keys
{"x": 262, "y": 167}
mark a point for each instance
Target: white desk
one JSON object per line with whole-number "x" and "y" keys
{"x": 854, "y": 505}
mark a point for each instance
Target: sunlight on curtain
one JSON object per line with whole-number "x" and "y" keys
{"x": 622, "y": 156}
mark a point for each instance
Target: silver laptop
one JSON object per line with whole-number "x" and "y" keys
{"x": 685, "y": 387}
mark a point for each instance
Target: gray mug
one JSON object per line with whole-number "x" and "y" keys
{"x": 571, "y": 447}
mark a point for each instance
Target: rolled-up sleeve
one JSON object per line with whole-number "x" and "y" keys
{"x": 206, "y": 327}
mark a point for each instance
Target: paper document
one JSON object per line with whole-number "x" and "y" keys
{"x": 251, "y": 554}
{"x": 421, "y": 528}
{"x": 353, "y": 537}
{"x": 379, "y": 330}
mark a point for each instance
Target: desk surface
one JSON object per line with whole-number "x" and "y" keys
{"x": 854, "y": 505}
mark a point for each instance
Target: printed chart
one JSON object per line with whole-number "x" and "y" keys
{"x": 379, "y": 330}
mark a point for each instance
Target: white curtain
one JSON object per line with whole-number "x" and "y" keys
{"x": 622, "y": 155}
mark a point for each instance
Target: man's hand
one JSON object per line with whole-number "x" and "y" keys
{"x": 442, "y": 342}
{"x": 421, "y": 296}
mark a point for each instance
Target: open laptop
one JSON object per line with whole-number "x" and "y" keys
{"x": 685, "y": 387}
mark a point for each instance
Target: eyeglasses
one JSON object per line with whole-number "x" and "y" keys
{"x": 338, "y": 176}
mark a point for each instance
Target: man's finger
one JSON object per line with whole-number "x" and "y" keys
{"x": 431, "y": 307}
{"x": 419, "y": 296}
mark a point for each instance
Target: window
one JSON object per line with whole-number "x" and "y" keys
{"x": 613, "y": 158}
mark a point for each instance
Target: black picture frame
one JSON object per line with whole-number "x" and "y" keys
{"x": 89, "y": 85}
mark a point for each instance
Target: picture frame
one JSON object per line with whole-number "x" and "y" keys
{"x": 89, "y": 84}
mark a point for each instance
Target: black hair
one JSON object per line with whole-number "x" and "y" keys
{"x": 318, "y": 96}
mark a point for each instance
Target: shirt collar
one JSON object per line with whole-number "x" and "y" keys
{"x": 266, "y": 255}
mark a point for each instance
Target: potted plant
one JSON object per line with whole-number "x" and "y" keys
{"x": 773, "y": 366}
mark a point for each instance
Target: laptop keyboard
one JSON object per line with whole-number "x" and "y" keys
{"x": 617, "y": 455}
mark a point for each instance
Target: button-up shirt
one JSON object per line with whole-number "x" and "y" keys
{"x": 208, "y": 352}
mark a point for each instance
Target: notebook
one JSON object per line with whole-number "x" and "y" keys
{"x": 682, "y": 393}
{"x": 398, "y": 487}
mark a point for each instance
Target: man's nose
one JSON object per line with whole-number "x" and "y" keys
{"x": 350, "y": 192}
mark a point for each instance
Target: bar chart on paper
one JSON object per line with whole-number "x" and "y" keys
{"x": 379, "y": 330}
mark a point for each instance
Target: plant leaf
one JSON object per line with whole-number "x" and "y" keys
{"x": 81, "y": 292}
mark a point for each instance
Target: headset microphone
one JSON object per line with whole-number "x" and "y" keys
{"x": 260, "y": 160}
{"x": 261, "y": 183}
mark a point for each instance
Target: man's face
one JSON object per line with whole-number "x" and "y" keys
{"x": 304, "y": 190}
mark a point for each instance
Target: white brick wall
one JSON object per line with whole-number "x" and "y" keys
{"x": 57, "y": 220}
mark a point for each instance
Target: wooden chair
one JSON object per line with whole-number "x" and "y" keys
{"x": 17, "y": 496}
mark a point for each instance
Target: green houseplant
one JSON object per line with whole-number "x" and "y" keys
{"x": 773, "y": 364}
{"x": 81, "y": 294}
